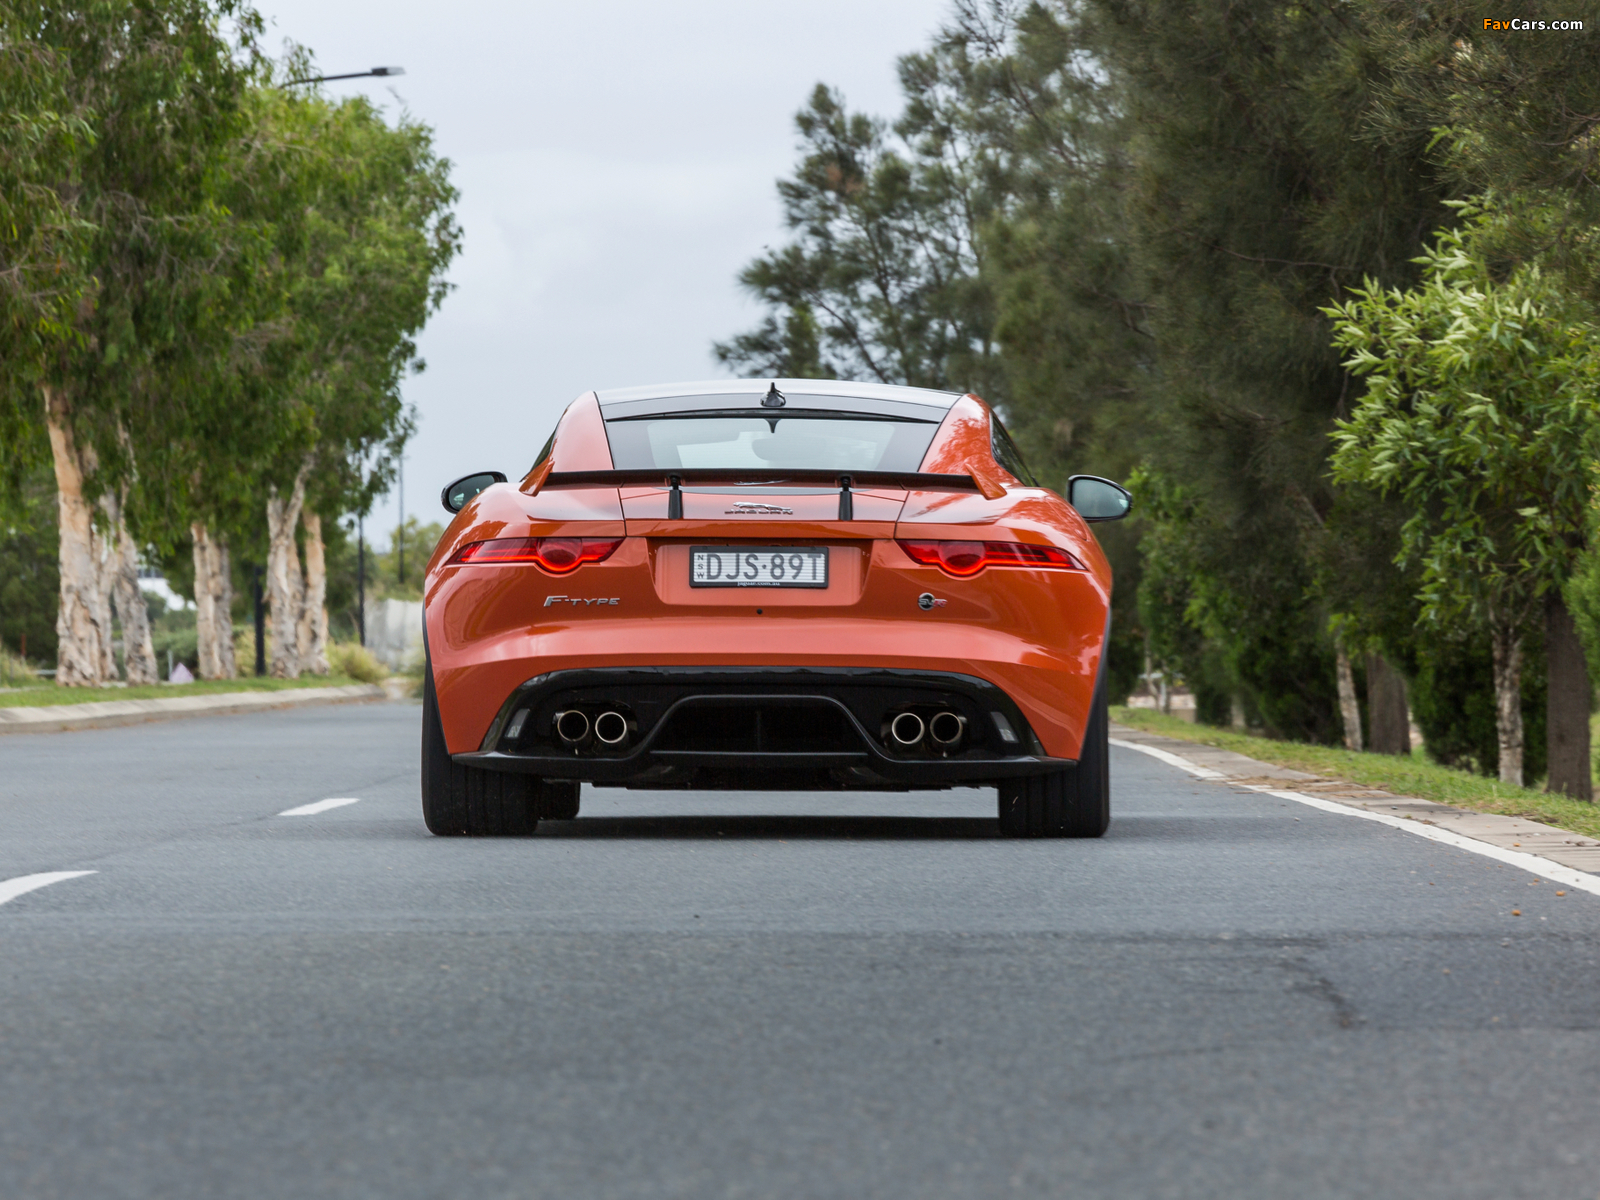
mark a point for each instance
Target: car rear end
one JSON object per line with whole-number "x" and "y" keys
{"x": 808, "y": 586}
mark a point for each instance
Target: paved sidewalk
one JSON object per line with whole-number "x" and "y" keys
{"x": 99, "y": 714}
{"x": 1511, "y": 833}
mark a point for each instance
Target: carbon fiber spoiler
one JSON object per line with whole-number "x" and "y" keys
{"x": 682, "y": 477}
{"x": 693, "y": 476}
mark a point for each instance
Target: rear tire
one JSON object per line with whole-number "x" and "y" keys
{"x": 1073, "y": 803}
{"x": 469, "y": 801}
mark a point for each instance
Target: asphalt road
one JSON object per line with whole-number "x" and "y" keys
{"x": 750, "y": 995}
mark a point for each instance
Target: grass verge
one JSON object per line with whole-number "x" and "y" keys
{"x": 1413, "y": 776}
{"x": 49, "y": 693}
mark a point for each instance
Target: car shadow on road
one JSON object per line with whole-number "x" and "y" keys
{"x": 766, "y": 828}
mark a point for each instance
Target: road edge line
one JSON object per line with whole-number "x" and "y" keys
{"x": 1171, "y": 759}
{"x": 1532, "y": 863}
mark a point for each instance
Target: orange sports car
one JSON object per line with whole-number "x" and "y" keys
{"x": 794, "y": 584}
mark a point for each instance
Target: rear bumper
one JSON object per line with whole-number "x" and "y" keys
{"x": 762, "y": 727}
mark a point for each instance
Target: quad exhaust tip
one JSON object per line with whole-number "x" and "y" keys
{"x": 572, "y": 726}
{"x": 947, "y": 728}
{"x": 611, "y": 728}
{"x": 907, "y": 728}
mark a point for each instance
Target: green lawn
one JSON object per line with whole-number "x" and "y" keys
{"x": 1413, "y": 776}
{"x": 49, "y": 693}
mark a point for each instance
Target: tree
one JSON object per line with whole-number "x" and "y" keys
{"x": 1246, "y": 204}
{"x": 118, "y": 271}
{"x": 363, "y": 234}
{"x": 1481, "y": 413}
{"x": 1234, "y": 167}
{"x": 881, "y": 281}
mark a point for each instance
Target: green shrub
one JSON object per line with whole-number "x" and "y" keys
{"x": 14, "y": 672}
{"x": 357, "y": 662}
{"x": 183, "y": 644}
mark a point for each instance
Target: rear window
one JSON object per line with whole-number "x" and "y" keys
{"x": 545, "y": 453}
{"x": 1007, "y": 454}
{"x": 823, "y": 443}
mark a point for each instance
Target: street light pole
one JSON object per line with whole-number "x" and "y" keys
{"x": 361, "y": 581}
{"x": 380, "y": 72}
{"x": 261, "y": 628}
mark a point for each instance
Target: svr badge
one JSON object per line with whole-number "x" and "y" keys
{"x": 928, "y": 600}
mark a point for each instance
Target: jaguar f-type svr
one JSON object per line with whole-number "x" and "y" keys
{"x": 784, "y": 584}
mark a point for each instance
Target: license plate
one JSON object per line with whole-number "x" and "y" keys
{"x": 758, "y": 566}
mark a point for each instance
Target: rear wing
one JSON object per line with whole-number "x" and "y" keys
{"x": 676, "y": 479}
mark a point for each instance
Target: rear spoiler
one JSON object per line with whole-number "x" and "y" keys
{"x": 674, "y": 480}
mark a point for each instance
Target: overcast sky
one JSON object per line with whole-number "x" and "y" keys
{"x": 616, "y": 161}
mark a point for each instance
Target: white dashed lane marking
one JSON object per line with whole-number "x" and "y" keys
{"x": 321, "y": 806}
{"x": 10, "y": 889}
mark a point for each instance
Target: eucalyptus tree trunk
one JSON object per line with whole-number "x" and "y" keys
{"x": 1508, "y": 700}
{"x": 285, "y": 587}
{"x": 213, "y": 603}
{"x": 313, "y": 631}
{"x": 1388, "y": 713}
{"x": 106, "y": 583}
{"x": 222, "y": 591}
{"x": 1568, "y": 700}
{"x": 205, "y": 604}
{"x": 83, "y": 620}
{"x": 1349, "y": 706}
{"x": 138, "y": 655}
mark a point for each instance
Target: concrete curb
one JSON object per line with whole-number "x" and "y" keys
{"x": 101, "y": 714}
{"x": 1562, "y": 846}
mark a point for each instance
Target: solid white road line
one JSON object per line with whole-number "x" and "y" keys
{"x": 1533, "y": 863}
{"x": 1172, "y": 760}
{"x": 10, "y": 889}
{"x": 321, "y": 806}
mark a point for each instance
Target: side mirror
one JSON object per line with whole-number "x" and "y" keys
{"x": 455, "y": 495}
{"x": 1098, "y": 499}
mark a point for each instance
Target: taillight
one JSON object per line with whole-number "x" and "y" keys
{"x": 558, "y": 555}
{"x": 968, "y": 558}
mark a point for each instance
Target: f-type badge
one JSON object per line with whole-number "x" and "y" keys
{"x": 746, "y": 508}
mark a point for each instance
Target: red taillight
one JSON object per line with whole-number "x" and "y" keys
{"x": 968, "y": 558}
{"x": 558, "y": 555}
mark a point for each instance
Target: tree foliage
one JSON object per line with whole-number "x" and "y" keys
{"x": 881, "y": 280}
{"x": 215, "y": 282}
{"x": 124, "y": 261}
{"x": 1481, "y": 413}
{"x": 359, "y": 217}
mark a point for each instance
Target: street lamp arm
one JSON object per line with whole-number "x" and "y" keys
{"x": 378, "y": 71}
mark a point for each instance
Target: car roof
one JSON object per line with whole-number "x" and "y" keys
{"x": 838, "y": 395}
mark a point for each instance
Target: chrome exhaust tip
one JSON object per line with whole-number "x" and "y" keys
{"x": 907, "y": 728}
{"x": 611, "y": 728}
{"x": 572, "y": 726}
{"x": 947, "y": 728}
